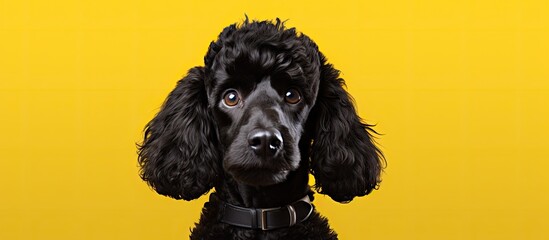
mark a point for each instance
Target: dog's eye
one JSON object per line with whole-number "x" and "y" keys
{"x": 231, "y": 98}
{"x": 292, "y": 96}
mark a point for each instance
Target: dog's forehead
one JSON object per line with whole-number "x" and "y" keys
{"x": 248, "y": 77}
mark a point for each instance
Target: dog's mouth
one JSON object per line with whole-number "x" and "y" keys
{"x": 260, "y": 176}
{"x": 257, "y": 171}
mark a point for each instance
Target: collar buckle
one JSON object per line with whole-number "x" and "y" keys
{"x": 263, "y": 218}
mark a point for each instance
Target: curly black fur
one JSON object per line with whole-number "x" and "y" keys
{"x": 198, "y": 142}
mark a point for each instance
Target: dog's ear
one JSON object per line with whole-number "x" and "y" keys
{"x": 179, "y": 156}
{"x": 344, "y": 158}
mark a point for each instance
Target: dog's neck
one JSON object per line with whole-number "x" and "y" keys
{"x": 294, "y": 188}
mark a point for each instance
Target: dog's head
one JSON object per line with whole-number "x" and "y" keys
{"x": 265, "y": 98}
{"x": 262, "y": 82}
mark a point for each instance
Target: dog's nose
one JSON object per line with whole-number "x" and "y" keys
{"x": 265, "y": 142}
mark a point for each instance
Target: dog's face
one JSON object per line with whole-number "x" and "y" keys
{"x": 260, "y": 121}
{"x": 261, "y": 94}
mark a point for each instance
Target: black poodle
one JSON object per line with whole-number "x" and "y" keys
{"x": 266, "y": 110}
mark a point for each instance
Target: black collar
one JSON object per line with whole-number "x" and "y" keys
{"x": 267, "y": 218}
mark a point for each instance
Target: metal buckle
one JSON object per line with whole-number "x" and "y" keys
{"x": 263, "y": 212}
{"x": 291, "y": 211}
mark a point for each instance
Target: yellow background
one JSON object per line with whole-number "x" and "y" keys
{"x": 460, "y": 90}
